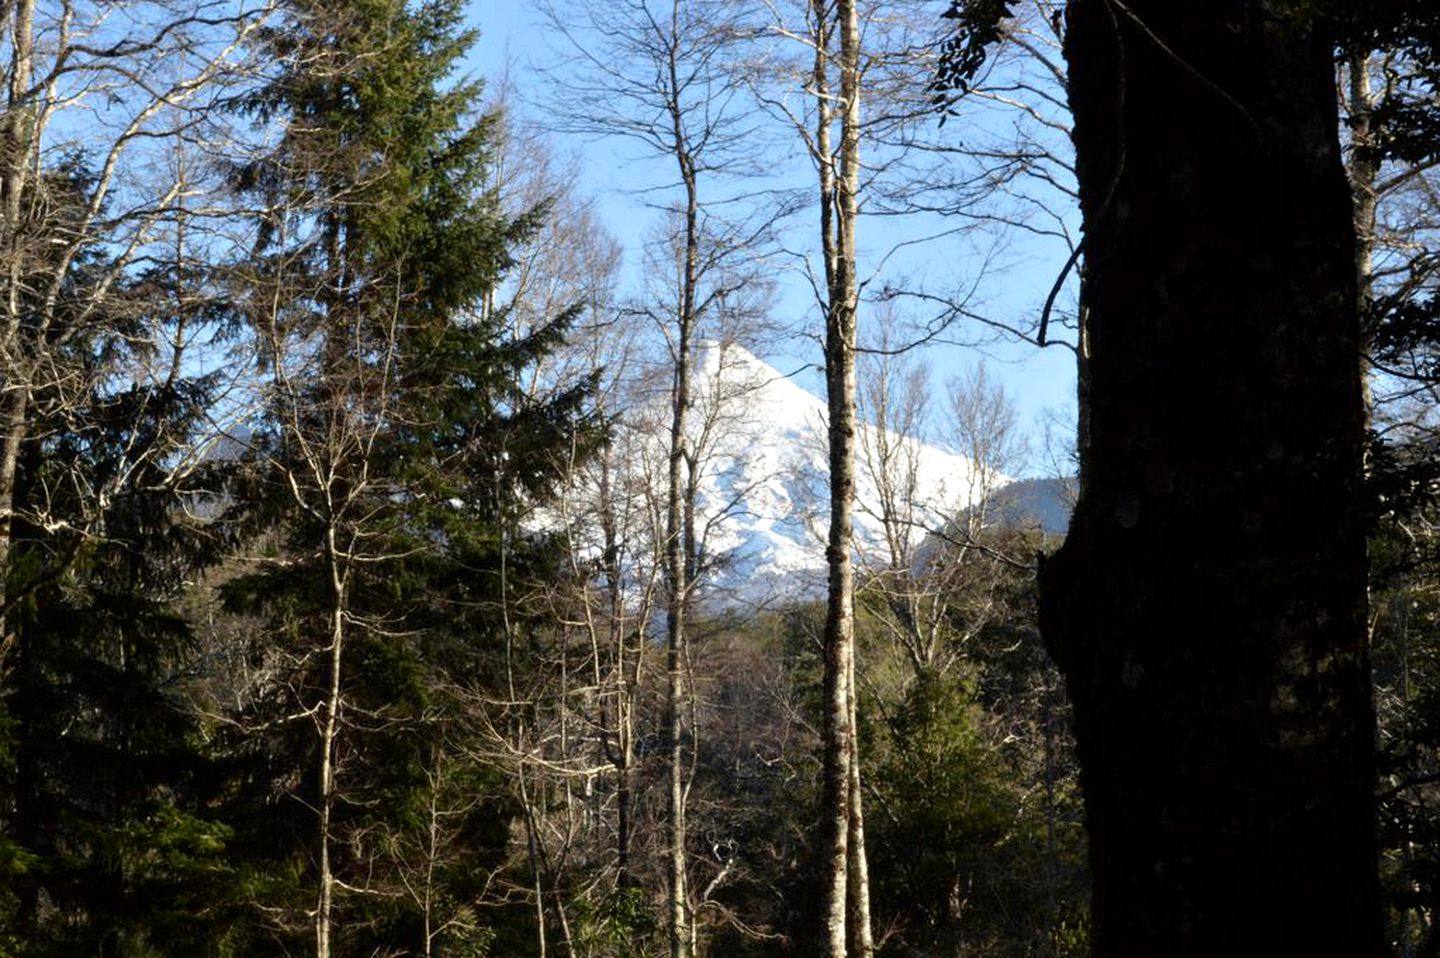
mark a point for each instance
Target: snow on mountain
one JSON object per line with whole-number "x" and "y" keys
{"x": 759, "y": 451}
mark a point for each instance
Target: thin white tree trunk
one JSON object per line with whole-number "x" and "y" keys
{"x": 848, "y": 184}
{"x": 862, "y": 941}
{"x": 324, "y": 908}
{"x": 677, "y": 589}
{"x": 532, "y": 846}
{"x": 677, "y": 555}
{"x": 839, "y": 606}
{"x": 16, "y": 150}
{"x": 847, "y": 900}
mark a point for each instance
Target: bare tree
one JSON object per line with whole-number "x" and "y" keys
{"x": 567, "y": 734}
{"x": 933, "y": 549}
{"x": 983, "y": 427}
{"x": 846, "y": 884}
{"x": 817, "y": 93}
{"x": 651, "y": 73}
{"x": 332, "y": 393}
{"x": 421, "y": 856}
{"x": 135, "y": 89}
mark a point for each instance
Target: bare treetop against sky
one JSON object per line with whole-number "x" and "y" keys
{"x": 1005, "y": 278}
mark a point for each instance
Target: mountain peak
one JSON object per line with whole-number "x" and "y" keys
{"x": 762, "y": 463}
{"x": 759, "y": 454}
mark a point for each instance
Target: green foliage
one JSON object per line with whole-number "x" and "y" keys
{"x": 618, "y": 925}
{"x": 1406, "y": 661}
{"x": 955, "y": 850}
{"x": 397, "y": 453}
{"x": 1408, "y": 125}
{"x": 971, "y": 803}
{"x": 115, "y": 845}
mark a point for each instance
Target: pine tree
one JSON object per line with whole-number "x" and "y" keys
{"x": 108, "y": 843}
{"x": 396, "y": 445}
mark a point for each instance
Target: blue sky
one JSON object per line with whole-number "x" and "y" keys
{"x": 1040, "y": 382}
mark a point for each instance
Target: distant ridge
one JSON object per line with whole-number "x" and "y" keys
{"x": 1044, "y": 503}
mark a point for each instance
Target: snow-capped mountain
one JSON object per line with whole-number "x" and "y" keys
{"x": 764, "y": 490}
{"x": 760, "y": 467}
{"x": 759, "y": 464}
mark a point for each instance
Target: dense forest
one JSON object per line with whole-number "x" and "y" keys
{"x": 377, "y": 564}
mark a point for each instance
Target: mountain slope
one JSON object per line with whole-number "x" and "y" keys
{"x": 762, "y": 493}
{"x": 762, "y": 500}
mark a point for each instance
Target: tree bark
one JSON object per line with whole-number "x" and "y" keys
{"x": 679, "y": 510}
{"x": 846, "y": 918}
{"x": 622, "y": 754}
{"x": 329, "y": 732}
{"x": 17, "y": 152}
{"x": 862, "y": 941}
{"x": 848, "y": 186}
{"x": 17, "y": 149}
{"x": 1364, "y": 168}
{"x": 1208, "y": 606}
{"x": 839, "y": 614}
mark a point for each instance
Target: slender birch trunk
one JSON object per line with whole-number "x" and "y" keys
{"x": 324, "y": 906}
{"x": 17, "y": 146}
{"x": 839, "y": 608}
{"x": 623, "y": 753}
{"x": 1364, "y": 174}
{"x": 678, "y": 519}
{"x": 862, "y": 942}
{"x": 848, "y": 186}
{"x": 677, "y": 567}
{"x": 847, "y": 905}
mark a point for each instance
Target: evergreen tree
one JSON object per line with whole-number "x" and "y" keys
{"x": 395, "y": 448}
{"x": 109, "y": 845}
{"x": 113, "y": 775}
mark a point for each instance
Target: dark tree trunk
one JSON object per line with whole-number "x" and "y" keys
{"x": 1208, "y": 607}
